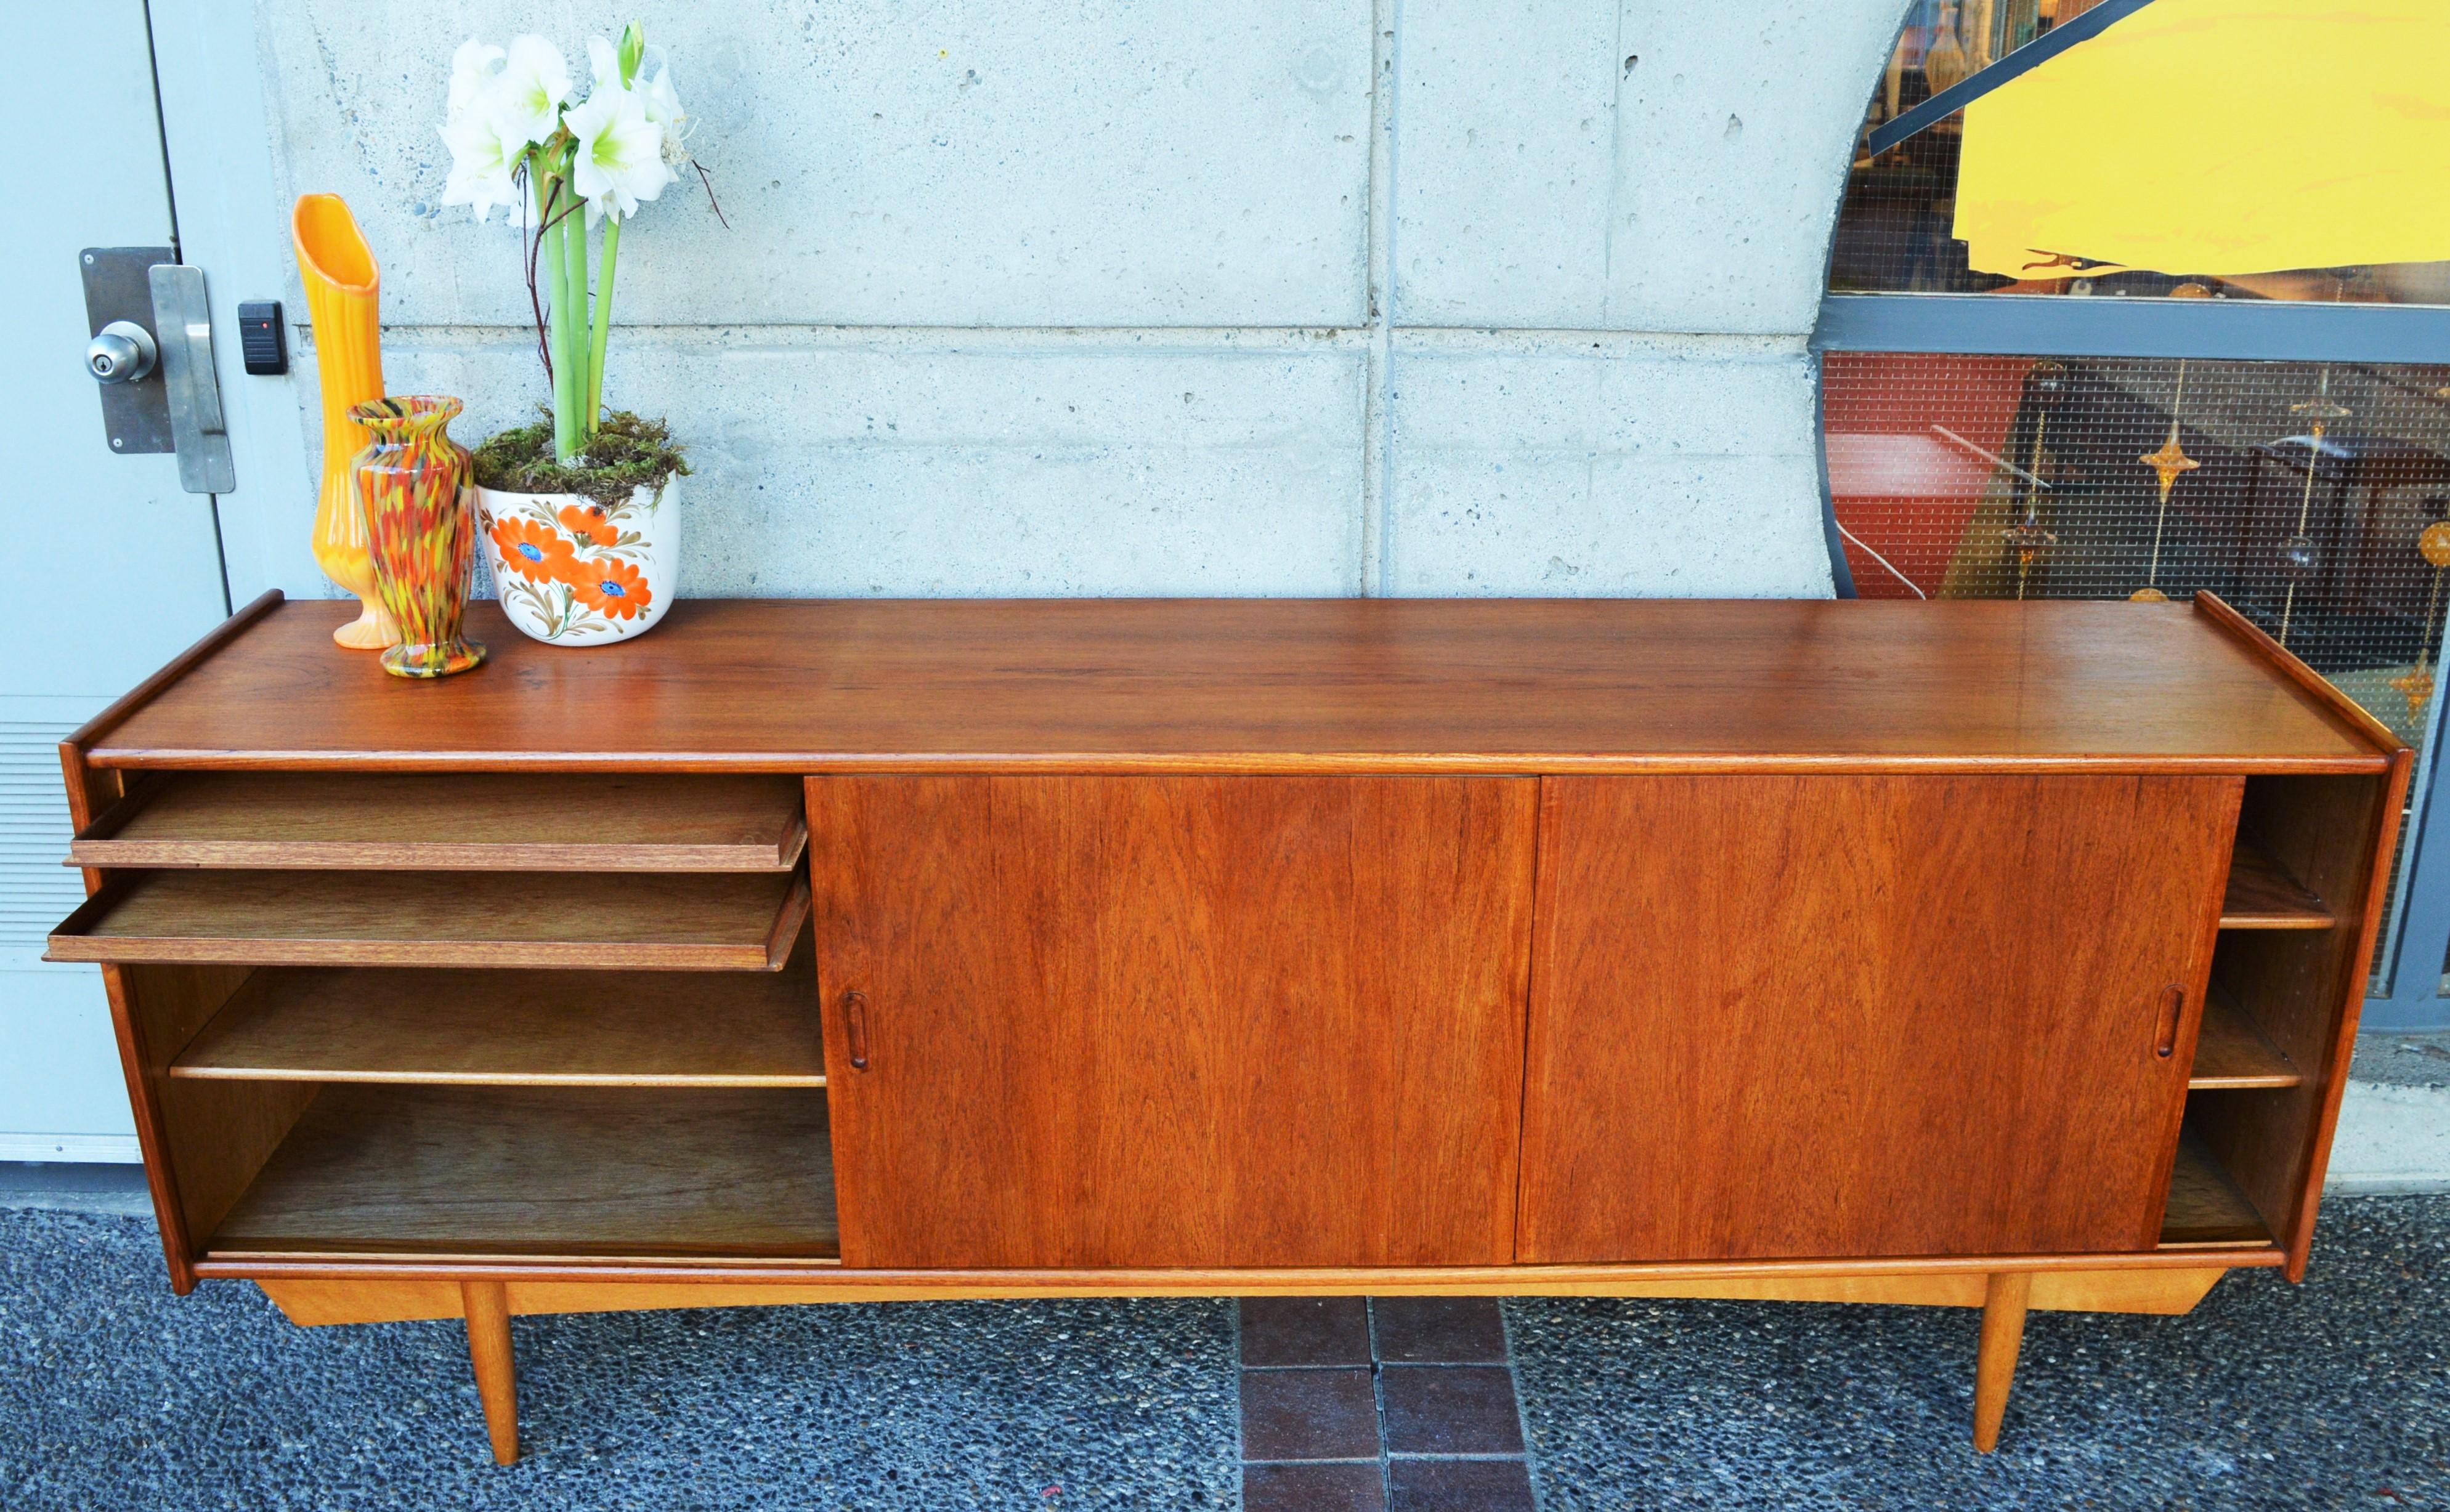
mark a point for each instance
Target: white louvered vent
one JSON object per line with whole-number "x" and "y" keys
{"x": 36, "y": 892}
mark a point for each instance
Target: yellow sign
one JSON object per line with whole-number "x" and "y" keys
{"x": 2219, "y": 137}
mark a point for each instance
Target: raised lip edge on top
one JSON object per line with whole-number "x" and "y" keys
{"x": 2383, "y": 747}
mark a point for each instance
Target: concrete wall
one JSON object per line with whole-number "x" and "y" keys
{"x": 1099, "y": 297}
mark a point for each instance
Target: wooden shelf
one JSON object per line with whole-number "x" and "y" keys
{"x": 2205, "y": 1207}
{"x": 713, "y": 921}
{"x": 537, "y": 1173}
{"x": 2262, "y": 894}
{"x": 2231, "y": 1052}
{"x": 433, "y": 821}
{"x": 517, "y": 1028}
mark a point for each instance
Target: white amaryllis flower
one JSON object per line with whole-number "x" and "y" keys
{"x": 604, "y": 61}
{"x": 528, "y": 96}
{"x": 472, "y": 70}
{"x": 664, "y": 108}
{"x": 619, "y": 161}
{"x": 481, "y": 161}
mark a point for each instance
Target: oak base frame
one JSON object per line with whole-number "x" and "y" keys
{"x": 2005, "y": 1297}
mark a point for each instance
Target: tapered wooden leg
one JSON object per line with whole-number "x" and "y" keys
{"x": 489, "y": 1351}
{"x": 1994, "y": 1367}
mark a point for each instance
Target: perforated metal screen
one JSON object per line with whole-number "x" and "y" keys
{"x": 2315, "y": 498}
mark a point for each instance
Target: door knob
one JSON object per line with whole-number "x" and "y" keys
{"x": 123, "y": 353}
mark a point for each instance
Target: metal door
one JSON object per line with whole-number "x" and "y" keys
{"x": 111, "y": 565}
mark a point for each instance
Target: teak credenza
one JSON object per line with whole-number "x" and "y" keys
{"x": 1969, "y": 953}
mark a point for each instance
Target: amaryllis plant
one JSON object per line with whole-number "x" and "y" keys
{"x": 522, "y": 137}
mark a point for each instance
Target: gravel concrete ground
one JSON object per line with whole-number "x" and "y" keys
{"x": 2403, "y": 1060}
{"x": 115, "y": 1395}
{"x": 2332, "y": 1394}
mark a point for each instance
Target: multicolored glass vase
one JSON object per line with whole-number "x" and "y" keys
{"x": 412, "y": 488}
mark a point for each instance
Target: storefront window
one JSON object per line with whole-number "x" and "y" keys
{"x": 2219, "y": 196}
{"x": 2195, "y": 149}
{"x": 2313, "y": 496}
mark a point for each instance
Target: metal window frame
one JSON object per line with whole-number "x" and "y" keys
{"x": 2410, "y": 998}
{"x": 2109, "y": 326}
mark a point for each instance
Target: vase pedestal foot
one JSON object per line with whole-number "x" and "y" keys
{"x": 433, "y": 661}
{"x": 370, "y": 632}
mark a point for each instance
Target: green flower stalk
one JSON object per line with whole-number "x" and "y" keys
{"x": 511, "y": 117}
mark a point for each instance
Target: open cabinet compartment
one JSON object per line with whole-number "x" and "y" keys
{"x": 422, "y": 1018}
{"x": 452, "y": 1136}
{"x": 517, "y": 1028}
{"x": 544, "y": 1174}
{"x": 2280, "y": 1019}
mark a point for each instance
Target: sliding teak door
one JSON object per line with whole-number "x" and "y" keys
{"x": 1863, "y": 1016}
{"x": 1169, "y": 1021}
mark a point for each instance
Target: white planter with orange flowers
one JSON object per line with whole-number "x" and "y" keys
{"x": 572, "y": 570}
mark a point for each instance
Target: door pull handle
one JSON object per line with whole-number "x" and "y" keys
{"x": 182, "y": 326}
{"x": 855, "y": 1028}
{"x": 2173, "y": 1003}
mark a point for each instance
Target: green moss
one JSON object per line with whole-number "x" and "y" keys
{"x": 626, "y": 453}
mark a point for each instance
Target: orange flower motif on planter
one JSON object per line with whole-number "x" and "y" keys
{"x": 587, "y": 521}
{"x": 614, "y": 589}
{"x": 558, "y": 579}
{"x": 533, "y": 549}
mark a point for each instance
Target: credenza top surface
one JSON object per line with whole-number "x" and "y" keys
{"x": 1318, "y": 685}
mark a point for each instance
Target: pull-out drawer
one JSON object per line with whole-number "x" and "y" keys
{"x": 709, "y": 922}
{"x": 448, "y": 821}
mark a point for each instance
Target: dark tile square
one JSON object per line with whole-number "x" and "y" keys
{"x": 1458, "y": 1485}
{"x": 1438, "y": 1330}
{"x": 1309, "y": 1415}
{"x": 1305, "y": 1330}
{"x": 1312, "y": 1488}
{"x": 1450, "y": 1409}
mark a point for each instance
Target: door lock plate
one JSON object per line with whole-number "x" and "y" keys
{"x": 119, "y": 286}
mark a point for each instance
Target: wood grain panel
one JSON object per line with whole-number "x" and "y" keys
{"x": 2232, "y": 1051}
{"x": 1872, "y": 1016}
{"x": 2262, "y": 895}
{"x": 2205, "y": 1207}
{"x": 736, "y": 921}
{"x": 86, "y": 736}
{"x": 2304, "y": 989}
{"x": 544, "y": 1172}
{"x": 411, "y": 822}
{"x": 1190, "y": 1021}
{"x": 1342, "y": 684}
{"x": 213, "y": 1138}
{"x": 91, "y": 791}
{"x": 2344, "y": 712}
{"x": 518, "y": 1028}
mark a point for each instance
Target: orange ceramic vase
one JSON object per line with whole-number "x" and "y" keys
{"x": 342, "y": 294}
